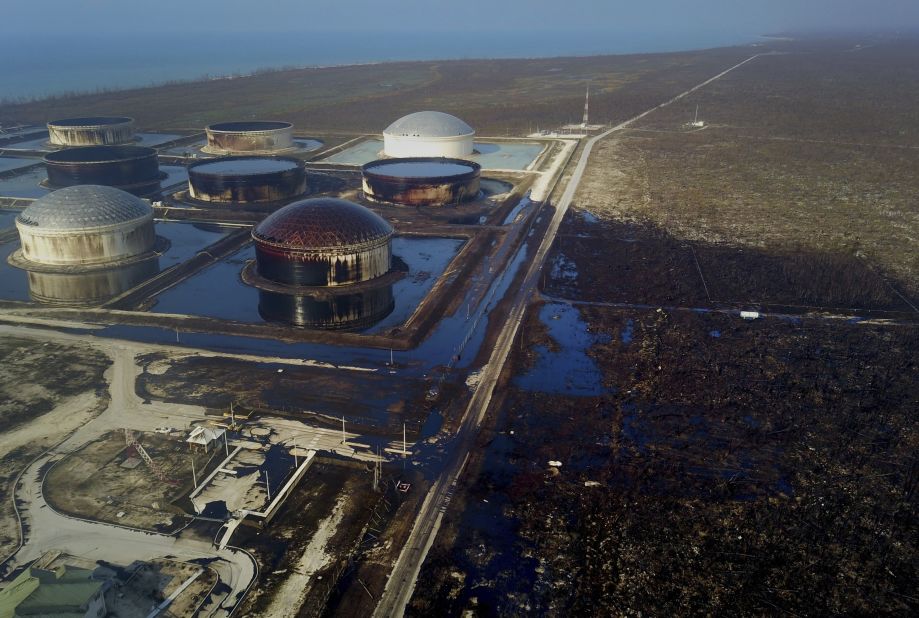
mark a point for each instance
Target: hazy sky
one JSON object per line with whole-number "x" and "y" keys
{"x": 645, "y": 16}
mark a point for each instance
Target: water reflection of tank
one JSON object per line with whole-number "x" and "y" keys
{"x": 88, "y": 288}
{"x": 421, "y": 181}
{"x": 328, "y": 312}
{"x": 250, "y": 137}
{"x": 91, "y": 131}
{"x": 131, "y": 168}
{"x": 323, "y": 242}
{"x": 241, "y": 180}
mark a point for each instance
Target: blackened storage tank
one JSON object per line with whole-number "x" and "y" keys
{"x": 345, "y": 311}
{"x": 131, "y": 168}
{"x": 249, "y": 137}
{"x": 323, "y": 242}
{"x": 91, "y": 131}
{"x": 246, "y": 179}
{"x": 421, "y": 181}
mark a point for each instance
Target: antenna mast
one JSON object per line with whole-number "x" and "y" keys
{"x": 586, "y": 107}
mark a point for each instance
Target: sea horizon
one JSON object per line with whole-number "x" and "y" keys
{"x": 53, "y": 65}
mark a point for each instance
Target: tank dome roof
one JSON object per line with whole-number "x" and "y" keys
{"x": 90, "y": 121}
{"x": 429, "y": 124}
{"x": 321, "y": 223}
{"x": 84, "y": 207}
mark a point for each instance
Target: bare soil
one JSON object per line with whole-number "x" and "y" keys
{"x": 92, "y": 483}
{"x": 34, "y": 377}
{"x": 820, "y": 175}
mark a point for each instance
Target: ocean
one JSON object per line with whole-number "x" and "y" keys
{"x": 44, "y": 65}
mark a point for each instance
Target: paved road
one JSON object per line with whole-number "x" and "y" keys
{"x": 402, "y": 580}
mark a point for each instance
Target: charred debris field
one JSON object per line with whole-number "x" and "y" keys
{"x": 668, "y": 457}
{"x": 728, "y": 467}
{"x": 652, "y": 452}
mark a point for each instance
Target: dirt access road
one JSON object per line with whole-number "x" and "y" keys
{"x": 45, "y": 529}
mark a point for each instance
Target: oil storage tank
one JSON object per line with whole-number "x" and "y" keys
{"x": 246, "y": 179}
{"x": 421, "y": 181}
{"x": 323, "y": 242}
{"x": 132, "y": 168}
{"x": 249, "y": 137}
{"x": 428, "y": 134}
{"x": 85, "y": 226}
{"x": 91, "y": 131}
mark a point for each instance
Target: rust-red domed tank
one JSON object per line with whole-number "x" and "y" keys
{"x": 323, "y": 242}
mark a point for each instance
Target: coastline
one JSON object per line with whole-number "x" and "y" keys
{"x": 96, "y": 68}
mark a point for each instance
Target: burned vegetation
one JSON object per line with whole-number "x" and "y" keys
{"x": 683, "y": 460}
{"x": 731, "y": 467}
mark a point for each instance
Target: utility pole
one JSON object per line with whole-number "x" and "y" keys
{"x": 194, "y": 475}
{"x": 267, "y": 486}
{"x": 376, "y": 471}
{"x": 226, "y": 443}
{"x": 296, "y": 465}
{"x": 344, "y": 440}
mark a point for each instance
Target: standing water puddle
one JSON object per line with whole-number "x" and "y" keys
{"x": 567, "y": 371}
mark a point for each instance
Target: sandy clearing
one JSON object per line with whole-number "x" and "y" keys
{"x": 291, "y": 594}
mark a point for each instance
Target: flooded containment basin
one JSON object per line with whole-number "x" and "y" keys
{"x": 132, "y": 168}
{"x": 91, "y": 131}
{"x": 241, "y": 180}
{"x": 249, "y": 137}
{"x": 323, "y": 242}
{"x": 421, "y": 181}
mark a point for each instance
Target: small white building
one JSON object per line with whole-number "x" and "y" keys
{"x": 204, "y": 437}
{"x": 428, "y": 134}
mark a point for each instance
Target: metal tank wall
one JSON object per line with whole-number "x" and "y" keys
{"x": 246, "y": 188}
{"x": 324, "y": 267}
{"x": 249, "y": 137}
{"x": 91, "y": 131}
{"x": 420, "y": 191}
{"x": 115, "y": 166}
{"x": 87, "y": 247}
{"x": 401, "y": 146}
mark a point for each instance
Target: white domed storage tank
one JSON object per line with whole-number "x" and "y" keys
{"x": 428, "y": 134}
{"x": 85, "y": 225}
